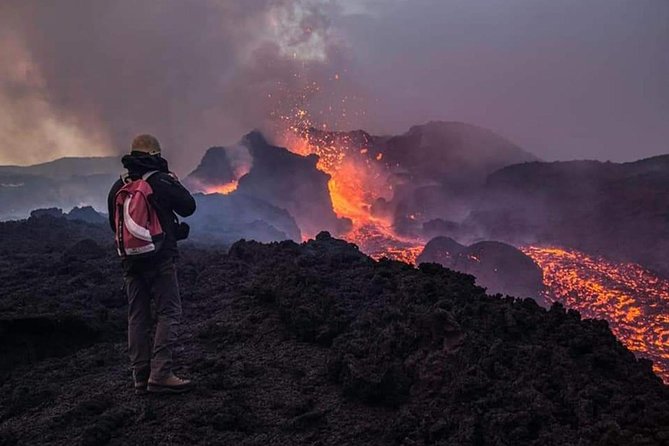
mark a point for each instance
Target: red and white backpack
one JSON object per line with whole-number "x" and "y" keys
{"x": 138, "y": 230}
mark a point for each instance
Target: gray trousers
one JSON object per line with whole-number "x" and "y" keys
{"x": 144, "y": 281}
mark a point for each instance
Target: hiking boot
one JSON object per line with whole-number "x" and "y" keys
{"x": 141, "y": 387}
{"x": 141, "y": 379}
{"x": 171, "y": 384}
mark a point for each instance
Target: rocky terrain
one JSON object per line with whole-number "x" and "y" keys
{"x": 498, "y": 267}
{"x": 266, "y": 176}
{"x": 310, "y": 343}
{"x": 620, "y": 210}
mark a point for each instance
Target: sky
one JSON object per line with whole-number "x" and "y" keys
{"x": 564, "y": 79}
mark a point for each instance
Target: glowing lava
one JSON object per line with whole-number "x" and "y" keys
{"x": 358, "y": 179}
{"x": 223, "y": 189}
{"x": 356, "y": 182}
{"x": 632, "y": 299}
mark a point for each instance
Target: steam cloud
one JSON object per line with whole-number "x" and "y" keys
{"x": 82, "y": 77}
{"x": 562, "y": 79}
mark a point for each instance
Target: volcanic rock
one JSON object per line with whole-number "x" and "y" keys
{"x": 291, "y": 182}
{"x": 228, "y": 218}
{"x": 214, "y": 169}
{"x": 498, "y": 267}
{"x": 47, "y": 212}
{"x": 276, "y": 177}
{"x": 87, "y": 214}
{"x": 314, "y": 343}
{"x": 85, "y": 249}
{"x": 617, "y": 210}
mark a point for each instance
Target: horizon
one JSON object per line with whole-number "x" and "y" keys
{"x": 119, "y": 155}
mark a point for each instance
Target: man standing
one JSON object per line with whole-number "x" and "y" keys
{"x": 154, "y": 276}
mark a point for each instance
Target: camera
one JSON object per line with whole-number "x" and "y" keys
{"x": 182, "y": 231}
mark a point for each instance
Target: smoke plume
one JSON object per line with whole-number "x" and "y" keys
{"x": 563, "y": 80}
{"x": 83, "y": 77}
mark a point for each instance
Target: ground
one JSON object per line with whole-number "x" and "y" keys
{"x": 309, "y": 343}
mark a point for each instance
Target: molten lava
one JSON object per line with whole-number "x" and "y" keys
{"x": 223, "y": 189}
{"x": 632, "y": 299}
{"x": 356, "y": 182}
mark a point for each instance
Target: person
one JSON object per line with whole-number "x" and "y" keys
{"x": 155, "y": 276}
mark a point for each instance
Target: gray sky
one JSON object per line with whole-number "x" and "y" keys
{"x": 564, "y": 79}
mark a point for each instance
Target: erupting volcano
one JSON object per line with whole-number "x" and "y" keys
{"x": 632, "y": 299}
{"x": 359, "y": 183}
{"x": 449, "y": 183}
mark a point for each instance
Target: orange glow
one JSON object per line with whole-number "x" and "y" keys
{"x": 632, "y": 299}
{"x": 356, "y": 181}
{"x": 223, "y": 189}
{"x": 239, "y": 170}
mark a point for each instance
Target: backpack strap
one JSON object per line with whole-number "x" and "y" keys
{"x": 125, "y": 177}
{"x": 148, "y": 174}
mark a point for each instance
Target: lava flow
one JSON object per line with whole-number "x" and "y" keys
{"x": 356, "y": 181}
{"x": 632, "y": 299}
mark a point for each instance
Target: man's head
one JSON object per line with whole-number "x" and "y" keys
{"x": 145, "y": 145}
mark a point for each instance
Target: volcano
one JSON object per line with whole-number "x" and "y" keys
{"x": 509, "y": 216}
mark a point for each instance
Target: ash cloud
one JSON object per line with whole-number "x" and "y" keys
{"x": 82, "y": 77}
{"x": 562, "y": 79}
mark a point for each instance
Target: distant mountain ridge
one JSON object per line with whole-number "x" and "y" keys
{"x": 621, "y": 209}
{"x": 68, "y": 167}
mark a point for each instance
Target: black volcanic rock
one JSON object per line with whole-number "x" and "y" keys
{"x": 498, "y": 267}
{"x": 87, "y": 214}
{"x": 291, "y": 182}
{"x": 47, "y": 212}
{"x": 442, "y": 250}
{"x": 276, "y": 177}
{"x": 306, "y": 343}
{"x": 617, "y": 210}
{"x": 214, "y": 169}
{"x": 85, "y": 249}
{"x": 228, "y": 218}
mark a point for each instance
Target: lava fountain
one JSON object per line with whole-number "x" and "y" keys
{"x": 357, "y": 181}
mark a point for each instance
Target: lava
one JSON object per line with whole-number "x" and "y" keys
{"x": 633, "y": 300}
{"x": 358, "y": 179}
{"x": 356, "y": 182}
{"x": 223, "y": 189}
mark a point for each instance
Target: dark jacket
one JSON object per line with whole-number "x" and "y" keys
{"x": 169, "y": 197}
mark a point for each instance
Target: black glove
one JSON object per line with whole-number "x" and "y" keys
{"x": 182, "y": 232}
